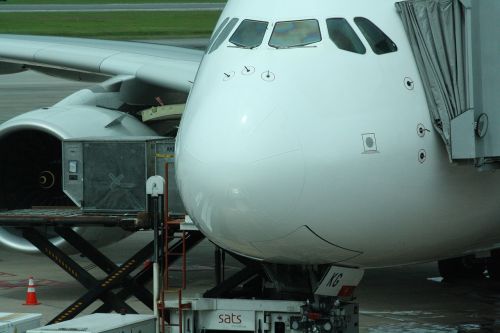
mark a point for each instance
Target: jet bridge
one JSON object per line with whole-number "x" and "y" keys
{"x": 457, "y": 50}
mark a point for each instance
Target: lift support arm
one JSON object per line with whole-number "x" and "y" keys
{"x": 97, "y": 289}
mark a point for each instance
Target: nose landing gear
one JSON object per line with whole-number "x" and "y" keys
{"x": 461, "y": 268}
{"x": 291, "y": 299}
{"x": 470, "y": 267}
{"x": 493, "y": 265}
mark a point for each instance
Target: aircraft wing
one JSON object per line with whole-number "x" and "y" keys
{"x": 88, "y": 59}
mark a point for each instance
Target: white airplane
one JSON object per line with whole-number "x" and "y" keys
{"x": 306, "y": 137}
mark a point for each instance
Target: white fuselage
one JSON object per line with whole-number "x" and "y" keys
{"x": 320, "y": 162}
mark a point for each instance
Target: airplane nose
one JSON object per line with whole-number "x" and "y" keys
{"x": 240, "y": 170}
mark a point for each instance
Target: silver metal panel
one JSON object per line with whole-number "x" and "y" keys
{"x": 486, "y": 65}
{"x": 249, "y": 315}
{"x": 103, "y": 323}
{"x": 109, "y": 174}
{"x": 204, "y": 304}
{"x": 463, "y": 145}
{"x": 114, "y": 176}
{"x": 18, "y": 322}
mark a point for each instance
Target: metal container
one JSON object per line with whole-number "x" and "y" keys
{"x": 109, "y": 174}
{"x": 103, "y": 323}
{"x": 18, "y": 322}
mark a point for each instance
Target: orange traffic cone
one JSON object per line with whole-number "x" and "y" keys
{"x": 31, "y": 294}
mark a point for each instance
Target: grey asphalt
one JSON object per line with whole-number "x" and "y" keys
{"x": 28, "y": 91}
{"x": 402, "y": 299}
{"x": 111, "y": 7}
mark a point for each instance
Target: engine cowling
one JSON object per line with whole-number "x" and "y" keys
{"x": 30, "y": 168}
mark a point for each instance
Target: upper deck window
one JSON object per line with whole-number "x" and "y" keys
{"x": 343, "y": 35}
{"x": 223, "y": 35}
{"x": 295, "y": 33}
{"x": 378, "y": 40}
{"x": 249, "y": 34}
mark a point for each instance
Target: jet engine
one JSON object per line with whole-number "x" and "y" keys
{"x": 30, "y": 168}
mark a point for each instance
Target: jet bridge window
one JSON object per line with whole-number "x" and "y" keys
{"x": 295, "y": 34}
{"x": 249, "y": 34}
{"x": 378, "y": 40}
{"x": 223, "y": 35}
{"x": 343, "y": 35}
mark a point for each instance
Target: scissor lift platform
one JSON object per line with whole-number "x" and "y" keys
{"x": 68, "y": 217}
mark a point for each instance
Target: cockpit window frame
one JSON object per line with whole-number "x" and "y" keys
{"x": 224, "y": 34}
{"x": 296, "y": 45}
{"x": 217, "y": 32}
{"x": 369, "y": 33}
{"x": 242, "y": 23}
{"x": 349, "y": 36}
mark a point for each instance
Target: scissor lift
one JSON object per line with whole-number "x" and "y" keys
{"x": 120, "y": 282}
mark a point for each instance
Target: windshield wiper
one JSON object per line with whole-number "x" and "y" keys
{"x": 291, "y": 46}
{"x": 279, "y": 47}
{"x": 239, "y": 46}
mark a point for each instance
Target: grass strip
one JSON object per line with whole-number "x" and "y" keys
{"x": 111, "y": 25}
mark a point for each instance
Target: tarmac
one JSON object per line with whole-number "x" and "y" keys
{"x": 400, "y": 299}
{"x": 124, "y": 7}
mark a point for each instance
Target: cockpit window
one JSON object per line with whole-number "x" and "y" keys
{"x": 223, "y": 35}
{"x": 295, "y": 33}
{"x": 378, "y": 40}
{"x": 343, "y": 35}
{"x": 217, "y": 32}
{"x": 249, "y": 34}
